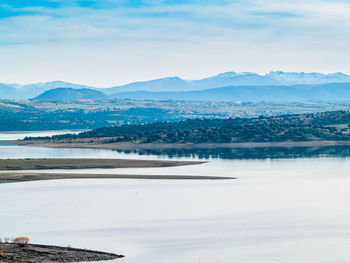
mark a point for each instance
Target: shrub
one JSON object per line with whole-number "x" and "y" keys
{"x": 22, "y": 241}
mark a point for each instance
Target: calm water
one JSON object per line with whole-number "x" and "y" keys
{"x": 279, "y": 209}
{"x": 22, "y": 135}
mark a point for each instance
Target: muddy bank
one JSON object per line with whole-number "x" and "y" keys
{"x": 13, "y": 253}
{"x": 27, "y": 177}
{"x": 38, "y": 164}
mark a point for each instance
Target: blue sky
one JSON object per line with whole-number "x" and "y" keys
{"x": 106, "y": 42}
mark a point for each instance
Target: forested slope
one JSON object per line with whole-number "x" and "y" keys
{"x": 320, "y": 126}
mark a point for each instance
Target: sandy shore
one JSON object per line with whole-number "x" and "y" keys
{"x": 15, "y": 177}
{"x": 132, "y": 146}
{"x": 75, "y": 163}
{"x": 13, "y": 253}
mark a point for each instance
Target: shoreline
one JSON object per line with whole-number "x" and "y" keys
{"x": 150, "y": 146}
{"x": 86, "y": 163}
{"x": 15, "y": 177}
{"x": 13, "y": 253}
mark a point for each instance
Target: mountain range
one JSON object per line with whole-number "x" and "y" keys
{"x": 246, "y": 86}
{"x": 274, "y": 78}
{"x": 330, "y": 92}
{"x": 18, "y": 92}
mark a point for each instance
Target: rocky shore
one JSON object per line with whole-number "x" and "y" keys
{"x": 13, "y": 253}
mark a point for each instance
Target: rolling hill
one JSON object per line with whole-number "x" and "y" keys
{"x": 307, "y": 127}
{"x": 71, "y": 94}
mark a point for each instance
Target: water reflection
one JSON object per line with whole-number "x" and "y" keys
{"x": 247, "y": 153}
{"x": 278, "y": 210}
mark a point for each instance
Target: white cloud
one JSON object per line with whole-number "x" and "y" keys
{"x": 109, "y": 46}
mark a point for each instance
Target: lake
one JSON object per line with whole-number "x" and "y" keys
{"x": 287, "y": 205}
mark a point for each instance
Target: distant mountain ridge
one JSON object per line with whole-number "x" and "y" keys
{"x": 17, "y": 91}
{"x": 176, "y": 84}
{"x": 163, "y": 84}
{"x": 274, "y": 78}
{"x": 71, "y": 94}
{"x": 321, "y": 92}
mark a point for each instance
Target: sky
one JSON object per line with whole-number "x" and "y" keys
{"x": 106, "y": 43}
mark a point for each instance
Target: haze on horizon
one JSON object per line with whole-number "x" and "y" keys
{"x": 105, "y": 43}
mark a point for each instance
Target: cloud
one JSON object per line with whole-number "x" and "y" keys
{"x": 209, "y": 36}
{"x": 150, "y": 20}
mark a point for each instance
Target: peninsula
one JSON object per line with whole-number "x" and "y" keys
{"x": 316, "y": 129}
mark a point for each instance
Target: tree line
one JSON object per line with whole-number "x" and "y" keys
{"x": 304, "y": 127}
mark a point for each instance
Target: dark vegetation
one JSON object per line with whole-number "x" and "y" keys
{"x": 307, "y": 127}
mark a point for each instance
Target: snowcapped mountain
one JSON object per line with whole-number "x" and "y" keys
{"x": 275, "y": 78}
{"x": 295, "y": 78}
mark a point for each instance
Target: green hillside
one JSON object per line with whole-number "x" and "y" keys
{"x": 307, "y": 127}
